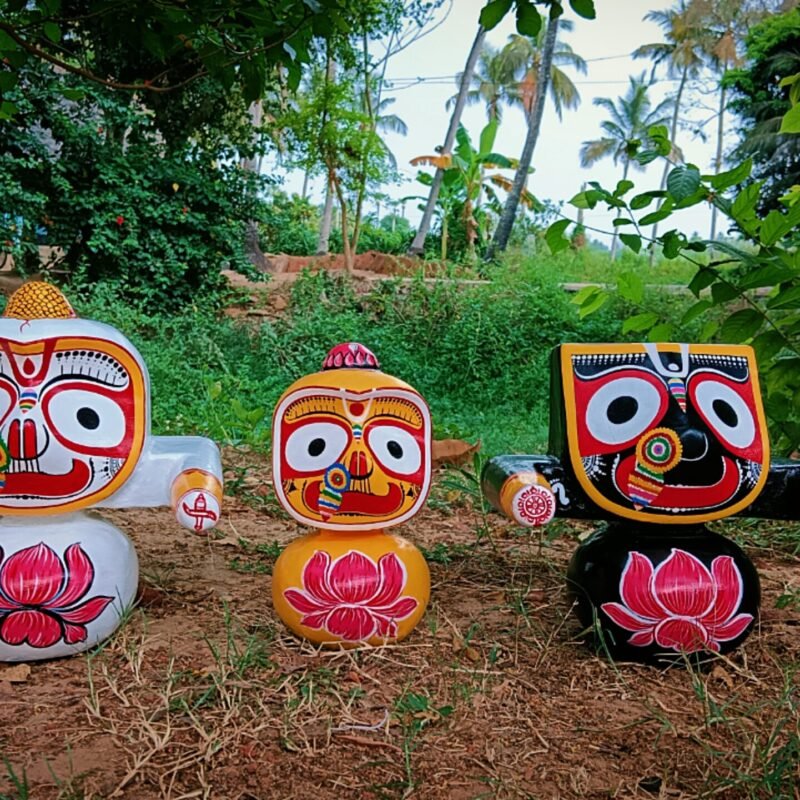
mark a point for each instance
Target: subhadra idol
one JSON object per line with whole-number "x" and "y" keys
{"x": 659, "y": 439}
{"x": 352, "y": 456}
{"x": 74, "y": 434}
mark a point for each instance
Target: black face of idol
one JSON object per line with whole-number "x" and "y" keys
{"x": 664, "y": 432}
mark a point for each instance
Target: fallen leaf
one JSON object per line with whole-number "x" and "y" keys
{"x": 472, "y": 654}
{"x": 19, "y": 673}
{"x": 454, "y": 452}
{"x": 720, "y": 674}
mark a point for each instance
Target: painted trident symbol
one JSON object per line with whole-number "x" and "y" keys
{"x": 199, "y": 512}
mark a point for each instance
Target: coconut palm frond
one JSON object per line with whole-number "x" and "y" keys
{"x": 593, "y": 151}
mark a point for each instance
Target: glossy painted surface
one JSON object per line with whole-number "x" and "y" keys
{"x": 351, "y": 450}
{"x": 74, "y": 434}
{"x": 665, "y": 432}
{"x": 340, "y": 589}
{"x": 658, "y": 597}
{"x": 352, "y": 456}
{"x": 64, "y": 585}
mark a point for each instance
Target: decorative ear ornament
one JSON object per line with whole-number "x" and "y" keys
{"x": 351, "y": 457}
{"x": 75, "y": 435}
{"x": 657, "y": 439}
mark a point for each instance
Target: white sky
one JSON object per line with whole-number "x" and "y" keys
{"x": 618, "y": 30}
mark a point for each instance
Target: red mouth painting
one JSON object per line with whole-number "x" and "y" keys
{"x": 688, "y": 497}
{"x": 42, "y": 484}
{"x": 358, "y": 502}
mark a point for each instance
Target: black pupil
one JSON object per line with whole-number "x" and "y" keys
{"x": 622, "y": 409}
{"x": 394, "y": 449}
{"x": 316, "y": 446}
{"x": 88, "y": 418}
{"x": 725, "y": 412}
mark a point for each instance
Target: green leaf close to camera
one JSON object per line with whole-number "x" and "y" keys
{"x": 741, "y": 325}
{"x": 631, "y": 240}
{"x": 493, "y": 12}
{"x": 683, "y": 182}
{"x": 639, "y": 322}
{"x": 554, "y": 236}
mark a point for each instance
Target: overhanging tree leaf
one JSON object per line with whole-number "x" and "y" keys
{"x": 741, "y": 325}
{"x": 682, "y": 182}
{"x": 554, "y": 236}
{"x": 493, "y": 12}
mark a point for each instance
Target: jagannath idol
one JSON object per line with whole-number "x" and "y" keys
{"x": 352, "y": 457}
{"x": 74, "y": 434}
{"x": 658, "y": 439}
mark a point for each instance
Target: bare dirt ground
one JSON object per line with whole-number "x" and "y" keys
{"x": 203, "y": 693}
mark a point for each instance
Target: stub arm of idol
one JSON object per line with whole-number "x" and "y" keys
{"x": 780, "y": 496}
{"x": 183, "y": 472}
{"x": 531, "y": 490}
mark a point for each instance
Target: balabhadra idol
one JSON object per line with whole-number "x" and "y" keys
{"x": 75, "y": 434}
{"x": 352, "y": 457}
{"x": 658, "y": 439}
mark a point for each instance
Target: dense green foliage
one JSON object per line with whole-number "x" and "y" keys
{"x": 760, "y": 101}
{"x": 90, "y": 175}
{"x": 291, "y": 225}
{"x": 478, "y": 354}
{"x": 728, "y": 274}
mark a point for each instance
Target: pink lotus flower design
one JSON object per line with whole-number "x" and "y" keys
{"x": 352, "y": 597}
{"x": 680, "y": 605}
{"x": 38, "y": 596}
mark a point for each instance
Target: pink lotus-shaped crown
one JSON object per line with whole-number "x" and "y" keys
{"x": 352, "y": 597}
{"x": 350, "y": 355}
{"x": 38, "y": 596}
{"x": 680, "y": 605}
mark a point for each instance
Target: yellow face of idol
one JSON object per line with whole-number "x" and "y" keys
{"x": 668, "y": 433}
{"x": 351, "y": 450}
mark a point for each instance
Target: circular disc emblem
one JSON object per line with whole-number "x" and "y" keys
{"x": 534, "y": 506}
{"x": 337, "y": 478}
{"x": 659, "y": 450}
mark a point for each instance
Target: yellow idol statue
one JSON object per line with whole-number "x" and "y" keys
{"x": 351, "y": 456}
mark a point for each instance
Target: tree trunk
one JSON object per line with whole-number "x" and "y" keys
{"x": 418, "y": 245}
{"x": 718, "y": 156}
{"x": 668, "y": 162}
{"x": 504, "y": 226}
{"x": 255, "y": 254}
{"x": 325, "y": 223}
{"x": 327, "y": 213}
{"x": 346, "y": 249}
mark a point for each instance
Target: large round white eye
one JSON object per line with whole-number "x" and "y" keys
{"x": 395, "y": 448}
{"x": 622, "y": 409}
{"x": 87, "y": 418}
{"x": 726, "y": 412}
{"x": 315, "y": 446}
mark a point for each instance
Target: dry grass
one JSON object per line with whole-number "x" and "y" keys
{"x": 203, "y": 694}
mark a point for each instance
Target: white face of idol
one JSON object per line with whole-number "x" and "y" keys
{"x": 73, "y": 413}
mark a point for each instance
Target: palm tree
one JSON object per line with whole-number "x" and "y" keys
{"x": 538, "y": 59}
{"x": 418, "y": 245}
{"x": 523, "y": 54}
{"x": 725, "y": 24}
{"x": 630, "y": 117}
{"x": 492, "y": 82}
{"x": 682, "y": 54}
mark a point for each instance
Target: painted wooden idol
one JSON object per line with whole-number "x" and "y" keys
{"x": 74, "y": 434}
{"x": 352, "y": 457}
{"x": 658, "y": 439}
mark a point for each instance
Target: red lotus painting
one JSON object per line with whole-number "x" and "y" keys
{"x": 40, "y": 594}
{"x": 680, "y": 605}
{"x": 352, "y": 597}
